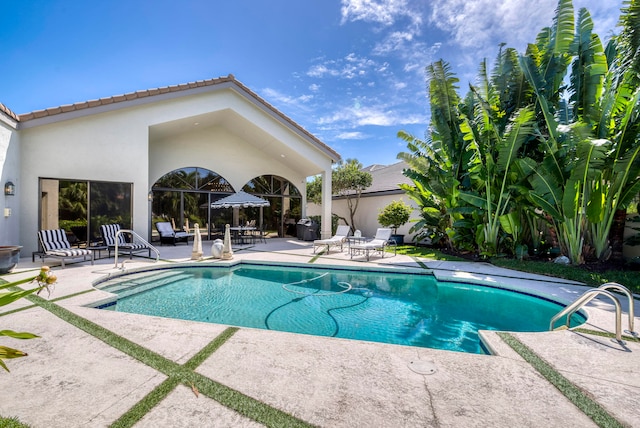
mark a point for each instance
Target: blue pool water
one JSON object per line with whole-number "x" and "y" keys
{"x": 406, "y": 309}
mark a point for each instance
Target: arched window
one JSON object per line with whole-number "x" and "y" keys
{"x": 286, "y": 204}
{"x": 184, "y": 197}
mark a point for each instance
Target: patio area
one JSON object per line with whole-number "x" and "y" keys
{"x": 200, "y": 372}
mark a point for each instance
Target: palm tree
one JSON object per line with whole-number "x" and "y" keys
{"x": 438, "y": 165}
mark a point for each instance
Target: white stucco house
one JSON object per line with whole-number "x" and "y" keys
{"x": 163, "y": 153}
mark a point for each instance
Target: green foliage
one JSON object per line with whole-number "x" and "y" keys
{"x": 11, "y": 423}
{"x": 529, "y": 149}
{"x": 314, "y": 190}
{"x": 394, "y": 215}
{"x": 43, "y": 279}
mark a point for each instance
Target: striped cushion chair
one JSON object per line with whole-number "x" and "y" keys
{"x": 109, "y": 232}
{"x": 55, "y": 244}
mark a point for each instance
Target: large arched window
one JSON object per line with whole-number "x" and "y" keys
{"x": 286, "y": 204}
{"x": 184, "y": 197}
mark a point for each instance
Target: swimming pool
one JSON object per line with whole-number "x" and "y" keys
{"x": 400, "y": 308}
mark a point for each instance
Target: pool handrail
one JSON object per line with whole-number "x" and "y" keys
{"x": 140, "y": 238}
{"x": 585, "y": 298}
{"x": 625, "y": 290}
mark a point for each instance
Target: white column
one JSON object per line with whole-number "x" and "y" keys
{"x": 325, "y": 227}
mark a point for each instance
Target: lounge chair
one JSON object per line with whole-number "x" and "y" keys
{"x": 109, "y": 232}
{"x": 55, "y": 244}
{"x": 336, "y": 240}
{"x": 170, "y": 236}
{"x": 378, "y": 244}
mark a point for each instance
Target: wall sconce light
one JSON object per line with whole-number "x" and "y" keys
{"x": 7, "y": 212}
{"x": 150, "y": 196}
{"x": 9, "y": 188}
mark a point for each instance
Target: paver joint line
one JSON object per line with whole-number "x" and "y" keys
{"x": 228, "y": 397}
{"x": 573, "y": 393}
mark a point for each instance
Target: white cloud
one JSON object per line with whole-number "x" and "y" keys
{"x": 354, "y": 135}
{"x": 374, "y": 115}
{"x": 314, "y": 87}
{"x": 349, "y": 67}
{"x": 384, "y": 12}
{"x": 275, "y": 96}
{"x": 321, "y": 70}
{"x": 479, "y": 26}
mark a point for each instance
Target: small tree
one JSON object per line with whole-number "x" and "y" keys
{"x": 394, "y": 215}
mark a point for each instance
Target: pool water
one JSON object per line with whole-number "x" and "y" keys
{"x": 405, "y": 309}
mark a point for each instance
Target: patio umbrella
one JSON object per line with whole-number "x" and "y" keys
{"x": 227, "y": 251}
{"x": 240, "y": 200}
{"x": 196, "y": 253}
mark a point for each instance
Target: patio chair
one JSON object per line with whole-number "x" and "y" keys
{"x": 260, "y": 234}
{"x": 55, "y": 244}
{"x": 378, "y": 244}
{"x": 170, "y": 236}
{"x": 336, "y": 240}
{"x": 109, "y": 232}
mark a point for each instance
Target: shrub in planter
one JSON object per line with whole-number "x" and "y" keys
{"x": 394, "y": 215}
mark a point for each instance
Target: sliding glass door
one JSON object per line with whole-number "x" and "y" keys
{"x": 80, "y": 207}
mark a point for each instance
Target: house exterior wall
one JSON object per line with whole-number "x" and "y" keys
{"x": 366, "y": 218}
{"x": 106, "y": 147}
{"x": 119, "y": 145}
{"x": 220, "y": 151}
{"x": 10, "y": 171}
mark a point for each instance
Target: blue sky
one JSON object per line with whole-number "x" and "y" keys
{"x": 349, "y": 71}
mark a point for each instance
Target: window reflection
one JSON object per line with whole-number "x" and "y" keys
{"x": 80, "y": 207}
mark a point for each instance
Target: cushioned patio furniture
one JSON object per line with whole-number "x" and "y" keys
{"x": 170, "y": 236}
{"x": 109, "y": 232}
{"x": 378, "y": 244}
{"x": 336, "y": 240}
{"x": 55, "y": 244}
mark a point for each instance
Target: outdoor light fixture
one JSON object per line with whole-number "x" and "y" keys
{"x": 9, "y": 188}
{"x": 150, "y": 196}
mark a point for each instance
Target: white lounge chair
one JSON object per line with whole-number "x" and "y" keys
{"x": 55, "y": 244}
{"x": 378, "y": 244}
{"x": 336, "y": 240}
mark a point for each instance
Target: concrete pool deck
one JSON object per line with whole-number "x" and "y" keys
{"x": 72, "y": 378}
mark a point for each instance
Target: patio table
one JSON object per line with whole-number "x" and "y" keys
{"x": 240, "y": 233}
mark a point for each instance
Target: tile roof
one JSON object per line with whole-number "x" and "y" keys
{"x": 159, "y": 91}
{"x": 4, "y": 109}
{"x": 126, "y": 97}
{"x": 386, "y": 178}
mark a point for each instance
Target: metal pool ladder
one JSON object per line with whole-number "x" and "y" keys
{"x": 134, "y": 236}
{"x": 589, "y": 295}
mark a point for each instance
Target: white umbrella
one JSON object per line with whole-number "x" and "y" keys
{"x": 227, "y": 251}
{"x": 196, "y": 253}
{"x": 240, "y": 200}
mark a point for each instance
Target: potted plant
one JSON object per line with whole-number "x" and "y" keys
{"x": 394, "y": 215}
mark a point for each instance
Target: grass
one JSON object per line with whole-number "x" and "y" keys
{"x": 11, "y": 423}
{"x": 177, "y": 374}
{"x": 577, "y": 396}
{"x": 430, "y": 253}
